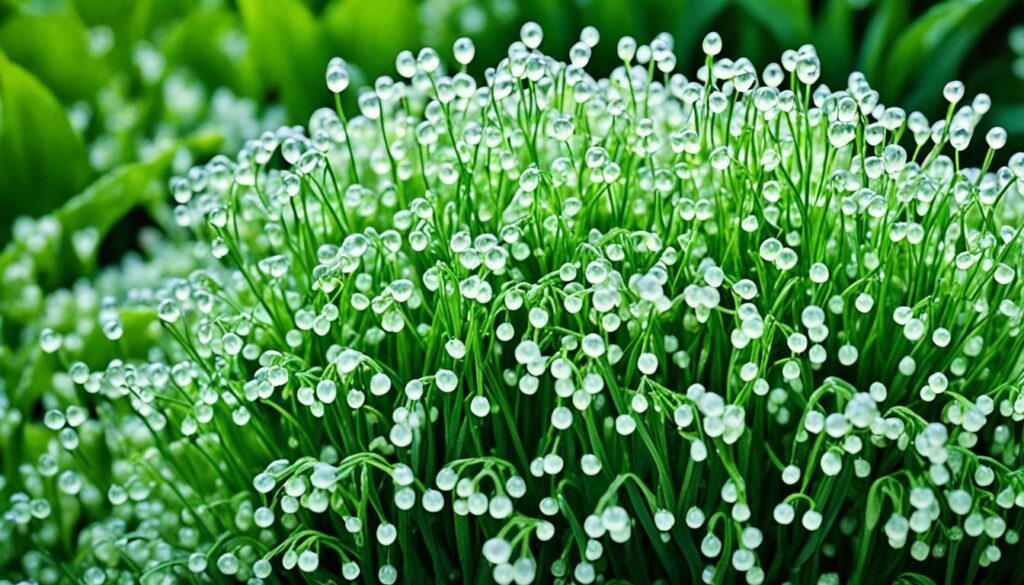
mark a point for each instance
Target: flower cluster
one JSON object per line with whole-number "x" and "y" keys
{"x": 546, "y": 327}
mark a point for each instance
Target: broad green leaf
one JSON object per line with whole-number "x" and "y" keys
{"x": 370, "y": 34}
{"x": 42, "y": 160}
{"x": 690, "y": 30}
{"x": 789, "y": 21}
{"x": 1009, "y": 117}
{"x": 35, "y": 440}
{"x": 94, "y": 210}
{"x": 203, "y": 43}
{"x": 55, "y": 48}
{"x": 751, "y": 39}
{"x": 887, "y": 21}
{"x": 943, "y": 64}
{"x": 114, "y": 194}
{"x": 833, "y": 38}
{"x": 288, "y": 47}
{"x": 938, "y": 39}
{"x": 118, "y": 16}
{"x": 613, "y": 20}
{"x": 132, "y": 22}
{"x": 36, "y": 375}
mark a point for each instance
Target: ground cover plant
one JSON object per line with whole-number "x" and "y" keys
{"x": 99, "y": 84}
{"x": 536, "y": 326}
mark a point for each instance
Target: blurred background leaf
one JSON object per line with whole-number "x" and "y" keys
{"x": 834, "y": 37}
{"x": 84, "y": 221}
{"x": 354, "y": 28}
{"x": 55, "y": 48}
{"x": 789, "y": 21}
{"x": 930, "y": 52}
{"x": 289, "y": 48}
{"x": 42, "y": 160}
{"x": 211, "y": 45}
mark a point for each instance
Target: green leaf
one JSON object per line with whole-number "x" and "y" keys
{"x": 613, "y": 19}
{"x": 653, "y": 534}
{"x": 42, "y": 160}
{"x": 935, "y": 44}
{"x": 132, "y": 21}
{"x": 113, "y": 195}
{"x": 97, "y": 209}
{"x": 834, "y": 37}
{"x": 112, "y": 13}
{"x": 289, "y": 50}
{"x": 886, "y": 23}
{"x": 1009, "y": 117}
{"x": 355, "y": 27}
{"x": 943, "y": 64}
{"x": 913, "y": 579}
{"x": 689, "y": 31}
{"x": 198, "y": 43}
{"x": 55, "y": 48}
{"x": 789, "y": 21}
{"x": 873, "y": 511}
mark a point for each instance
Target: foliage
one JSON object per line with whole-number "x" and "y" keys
{"x": 136, "y": 75}
{"x": 540, "y": 325}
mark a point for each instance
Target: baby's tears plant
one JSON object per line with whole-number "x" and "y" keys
{"x": 544, "y": 327}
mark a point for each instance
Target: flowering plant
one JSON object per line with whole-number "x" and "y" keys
{"x": 740, "y": 327}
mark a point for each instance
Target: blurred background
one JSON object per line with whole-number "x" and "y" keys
{"x": 92, "y": 87}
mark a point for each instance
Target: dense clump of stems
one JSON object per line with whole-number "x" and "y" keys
{"x": 739, "y": 328}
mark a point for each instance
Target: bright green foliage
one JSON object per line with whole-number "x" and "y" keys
{"x": 547, "y": 326}
{"x": 34, "y": 135}
{"x": 135, "y": 76}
